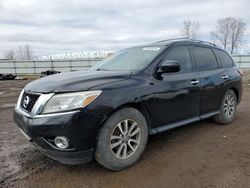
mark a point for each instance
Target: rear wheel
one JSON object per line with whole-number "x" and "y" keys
{"x": 228, "y": 108}
{"x": 122, "y": 139}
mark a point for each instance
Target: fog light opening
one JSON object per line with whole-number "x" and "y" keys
{"x": 62, "y": 142}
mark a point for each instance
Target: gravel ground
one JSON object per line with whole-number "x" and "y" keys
{"x": 202, "y": 154}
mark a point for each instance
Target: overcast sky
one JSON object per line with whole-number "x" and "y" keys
{"x": 57, "y": 26}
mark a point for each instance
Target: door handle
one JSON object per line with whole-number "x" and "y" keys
{"x": 224, "y": 77}
{"x": 194, "y": 82}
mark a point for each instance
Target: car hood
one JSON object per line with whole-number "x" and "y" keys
{"x": 75, "y": 81}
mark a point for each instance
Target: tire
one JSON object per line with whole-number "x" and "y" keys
{"x": 228, "y": 109}
{"x": 118, "y": 157}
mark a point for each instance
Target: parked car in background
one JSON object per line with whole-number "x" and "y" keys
{"x": 49, "y": 72}
{"x": 107, "y": 112}
{"x": 7, "y": 77}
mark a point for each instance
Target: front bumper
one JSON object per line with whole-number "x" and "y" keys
{"x": 80, "y": 127}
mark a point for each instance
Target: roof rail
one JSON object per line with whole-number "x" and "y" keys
{"x": 174, "y": 39}
{"x": 186, "y": 39}
{"x": 204, "y": 42}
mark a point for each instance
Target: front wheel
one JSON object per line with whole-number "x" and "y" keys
{"x": 228, "y": 108}
{"x": 122, "y": 139}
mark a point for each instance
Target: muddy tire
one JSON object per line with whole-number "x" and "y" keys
{"x": 228, "y": 109}
{"x": 122, "y": 139}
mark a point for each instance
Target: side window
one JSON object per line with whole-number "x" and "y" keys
{"x": 182, "y": 56}
{"x": 224, "y": 58}
{"x": 205, "y": 58}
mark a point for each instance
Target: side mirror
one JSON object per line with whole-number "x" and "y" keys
{"x": 169, "y": 66}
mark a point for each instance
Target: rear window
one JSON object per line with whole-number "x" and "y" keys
{"x": 205, "y": 59}
{"x": 224, "y": 58}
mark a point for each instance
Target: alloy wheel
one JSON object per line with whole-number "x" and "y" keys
{"x": 125, "y": 139}
{"x": 229, "y": 106}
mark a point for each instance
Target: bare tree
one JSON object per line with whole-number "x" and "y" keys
{"x": 24, "y": 52}
{"x": 229, "y": 33}
{"x": 222, "y": 32}
{"x": 28, "y": 52}
{"x": 238, "y": 28}
{"x": 10, "y": 55}
{"x": 20, "y": 54}
{"x": 191, "y": 29}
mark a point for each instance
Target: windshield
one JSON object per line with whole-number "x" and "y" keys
{"x": 130, "y": 59}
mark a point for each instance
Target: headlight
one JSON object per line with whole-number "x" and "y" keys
{"x": 70, "y": 101}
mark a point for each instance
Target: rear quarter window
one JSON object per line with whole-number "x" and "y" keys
{"x": 224, "y": 58}
{"x": 204, "y": 58}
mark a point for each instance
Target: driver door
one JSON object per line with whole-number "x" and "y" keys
{"x": 177, "y": 96}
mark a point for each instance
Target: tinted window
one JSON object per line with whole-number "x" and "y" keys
{"x": 182, "y": 56}
{"x": 224, "y": 59}
{"x": 205, "y": 59}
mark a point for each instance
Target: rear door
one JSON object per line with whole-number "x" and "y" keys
{"x": 234, "y": 77}
{"x": 212, "y": 79}
{"x": 228, "y": 65}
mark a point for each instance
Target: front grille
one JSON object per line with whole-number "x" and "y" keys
{"x": 28, "y": 101}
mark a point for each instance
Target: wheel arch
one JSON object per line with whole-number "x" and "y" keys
{"x": 141, "y": 108}
{"x": 236, "y": 93}
{"x": 138, "y": 106}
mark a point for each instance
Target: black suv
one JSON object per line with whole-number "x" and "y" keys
{"x": 108, "y": 112}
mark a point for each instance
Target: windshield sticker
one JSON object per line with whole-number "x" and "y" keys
{"x": 152, "y": 48}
